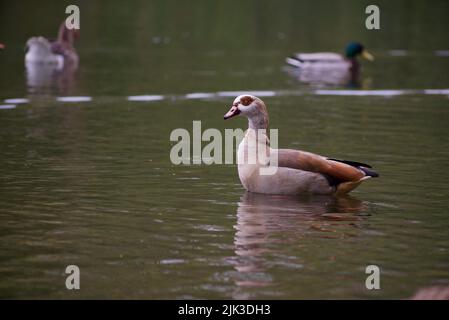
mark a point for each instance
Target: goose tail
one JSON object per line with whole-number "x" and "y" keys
{"x": 369, "y": 172}
{"x": 366, "y": 168}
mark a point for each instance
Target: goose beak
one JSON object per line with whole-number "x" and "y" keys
{"x": 234, "y": 111}
{"x": 368, "y": 56}
{"x": 2, "y": 46}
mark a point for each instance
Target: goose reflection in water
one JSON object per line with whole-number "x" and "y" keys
{"x": 47, "y": 80}
{"x": 266, "y": 222}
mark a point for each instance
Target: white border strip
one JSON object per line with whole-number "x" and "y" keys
{"x": 74, "y": 99}
{"x": 146, "y": 98}
{"x": 384, "y": 93}
{"x": 7, "y": 106}
{"x": 260, "y": 93}
{"x": 17, "y": 100}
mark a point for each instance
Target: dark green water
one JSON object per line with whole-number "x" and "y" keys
{"x": 91, "y": 183}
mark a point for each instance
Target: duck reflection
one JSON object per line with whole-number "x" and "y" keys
{"x": 51, "y": 65}
{"x": 265, "y": 223}
{"x": 328, "y": 75}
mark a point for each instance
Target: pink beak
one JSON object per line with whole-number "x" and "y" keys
{"x": 234, "y": 111}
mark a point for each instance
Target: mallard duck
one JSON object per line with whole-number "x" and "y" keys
{"x": 329, "y": 67}
{"x": 297, "y": 172}
{"x": 58, "y": 53}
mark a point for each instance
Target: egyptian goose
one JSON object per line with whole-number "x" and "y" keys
{"x": 59, "y": 53}
{"x": 297, "y": 172}
{"x": 328, "y": 67}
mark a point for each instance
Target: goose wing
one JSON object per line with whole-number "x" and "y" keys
{"x": 343, "y": 174}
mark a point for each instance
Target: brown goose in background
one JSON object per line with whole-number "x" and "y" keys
{"x": 52, "y": 64}
{"x": 60, "y": 52}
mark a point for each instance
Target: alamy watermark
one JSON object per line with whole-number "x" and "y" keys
{"x": 73, "y": 20}
{"x": 72, "y": 282}
{"x": 372, "y": 22}
{"x": 258, "y": 149}
{"x": 372, "y": 282}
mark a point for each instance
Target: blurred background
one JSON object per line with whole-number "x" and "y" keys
{"x": 176, "y": 47}
{"x": 91, "y": 183}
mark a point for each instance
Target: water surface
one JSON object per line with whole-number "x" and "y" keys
{"x": 89, "y": 181}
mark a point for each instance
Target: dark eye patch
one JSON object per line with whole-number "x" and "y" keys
{"x": 246, "y": 101}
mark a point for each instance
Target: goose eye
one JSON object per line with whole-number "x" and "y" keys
{"x": 246, "y": 101}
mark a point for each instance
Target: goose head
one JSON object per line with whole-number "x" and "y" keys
{"x": 252, "y": 108}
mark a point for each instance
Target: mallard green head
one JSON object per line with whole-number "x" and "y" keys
{"x": 354, "y": 49}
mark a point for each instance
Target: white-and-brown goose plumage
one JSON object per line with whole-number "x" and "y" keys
{"x": 59, "y": 53}
{"x": 297, "y": 171}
